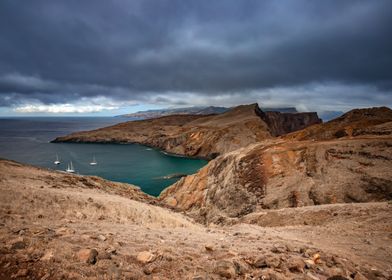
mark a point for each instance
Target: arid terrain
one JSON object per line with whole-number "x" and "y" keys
{"x": 285, "y": 172}
{"x": 60, "y": 226}
{"x": 311, "y": 204}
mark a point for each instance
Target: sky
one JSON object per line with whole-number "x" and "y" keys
{"x": 98, "y": 57}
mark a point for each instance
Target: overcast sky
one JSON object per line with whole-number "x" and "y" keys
{"x": 109, "y": 57}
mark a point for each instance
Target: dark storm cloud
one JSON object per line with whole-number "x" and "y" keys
{"x": 60, "y": 51}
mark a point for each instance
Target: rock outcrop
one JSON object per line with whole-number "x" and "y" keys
{"x": 283, "y": 123}
{"x": 281, "y": 173}
{"x": 200, "y": 136}
{"x": 353, "y": 123}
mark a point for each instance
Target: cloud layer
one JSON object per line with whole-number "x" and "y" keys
{"x": 55, "y": 53}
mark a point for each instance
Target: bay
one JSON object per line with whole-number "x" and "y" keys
{"x": 27, "y": 140}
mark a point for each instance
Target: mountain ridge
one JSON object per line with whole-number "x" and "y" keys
{"x": 204, "y": 136}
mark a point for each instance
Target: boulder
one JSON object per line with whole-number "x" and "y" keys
{"x": 88, "y": 256}
{"x": 145, "y": 257}
{"x": 225, "y": 269}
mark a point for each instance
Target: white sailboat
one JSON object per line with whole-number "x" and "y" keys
{"x": 70, "y": 168}
{"x": 94, "y": 162}
{"x": 57, "y": 161}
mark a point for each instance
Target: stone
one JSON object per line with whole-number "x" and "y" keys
{"x": 171, "y": 201}
{"x": 102, "y": 237}
{"x": 260, "y": 262}
{"x": 359, "y": 276}
{"x": 80, "y": 215}
{"x": 49, "y": 255}
{"x": 309, "y": 264}
{"x": 21, "y": 273}
{"x": 104, "y": 256}
{"x": 272, "y": 261}
{"x": 337, "y": 277}
{"x": 45, "y": 277}
{"x": 316, "y": 258}
{"x": 145, "y": 257}
{"x": 278, "y": 249}
{"x": 18, "y": 245}
{"x": 64, "y": 231}
{"x": 241, "y": 267}
{"x": 225, "y": 269}
{"x": 209, "y": 247}
{"x": 88, "y": 256}
{"x": 296, "y": 264}
{"x": 310, "y": 276}
{"x": 111, "y": 250}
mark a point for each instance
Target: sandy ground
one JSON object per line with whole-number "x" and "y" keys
{"x": 59, "y": 226}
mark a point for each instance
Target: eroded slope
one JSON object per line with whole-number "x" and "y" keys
{"x": 60, "y": 226}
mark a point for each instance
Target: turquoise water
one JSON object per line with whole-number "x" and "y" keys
{"x": 27, "y": 141}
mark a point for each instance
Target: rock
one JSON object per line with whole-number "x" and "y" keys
{"x": 80, "y": 215}
{"x": 21, "y": 273}
{"x": 337, "y": 277}
{"x": 88, "y": 256}
{"x": 359, "y": 276}
{"x": 171, "y": 201}
{"x": 260, "y": 262}
{"x": 64, "y": 231}
{"x": 101, "y": 237}
{"x": 225, "y": 269}
{"x": 310, "y": 276}
{"x": 145, "y": 257}
{"x": 316, "y": 258}
{"x": 49, "y": 255}
{"x": 296, "y": 264}
{"x": 111, "y": 250}
{"x": 18, "y": 243}
{"x": 272, "y": 261}
{"x": 45, "y": 277}
{"x": 241, "y": 267}
{"x": 104, "y": 256}
{"x": 309, "y": 264}
{"x": 270, "y": 274}
{"x": 209, "y": 247}
{"x": 278, "y": 249}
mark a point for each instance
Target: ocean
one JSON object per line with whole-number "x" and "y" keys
{"x": 27, "y": 140}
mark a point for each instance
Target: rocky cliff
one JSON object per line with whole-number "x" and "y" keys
{"x": 200, "y": 136}
{"x": 283, "y": 123}
{"x": 351, "y": 124}
{"x": 281, "y": 173}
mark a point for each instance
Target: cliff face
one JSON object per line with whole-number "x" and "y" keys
{"x": 351, "y": 124}
{"x": 283, "y": 123}
{"x": 280, "y": 173}
{"x": 199, "y": 136}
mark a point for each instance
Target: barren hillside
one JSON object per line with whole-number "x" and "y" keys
{"x": 281, "y": 173}
{"x": 60, "y": 226}
{"x": 200, "y": 136}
